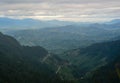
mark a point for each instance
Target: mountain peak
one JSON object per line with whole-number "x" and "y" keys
{"x": 114, "y": 21}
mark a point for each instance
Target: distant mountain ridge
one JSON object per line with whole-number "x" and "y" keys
{"x": 114, "y": 21}
{"x": 67, "y": 37}
{"x": 22, "y": 24}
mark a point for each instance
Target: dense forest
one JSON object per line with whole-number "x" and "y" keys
{"x": 20, "y": 64}
{"x": 24, "y": 64}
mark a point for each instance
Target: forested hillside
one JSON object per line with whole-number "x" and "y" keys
{"x": 98, "y": 63}
{"x": 20, "y": 64}
{"x": 85, "y": 60}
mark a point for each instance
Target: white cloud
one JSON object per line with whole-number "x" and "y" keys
{"x": 73, "y": 10}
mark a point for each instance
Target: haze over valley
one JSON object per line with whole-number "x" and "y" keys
{"x": 59, "y": 41}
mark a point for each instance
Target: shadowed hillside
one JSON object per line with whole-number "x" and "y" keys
{"x": 20, "y": 64}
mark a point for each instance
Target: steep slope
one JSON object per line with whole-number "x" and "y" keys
{"x": 109, "y": 73}
{"x": 23, "y": 64}
{"x": 85, "y": 60}
{"x": 20, "y": 64}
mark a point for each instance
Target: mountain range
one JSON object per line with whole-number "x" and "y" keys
{"x": 23, "y": 64}
{"x": 59, "y": 51}
{"x": 63, "y": 38}
{"x": 8, "y": 24}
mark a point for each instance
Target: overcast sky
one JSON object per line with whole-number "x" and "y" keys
{"x": 71, "y": 10}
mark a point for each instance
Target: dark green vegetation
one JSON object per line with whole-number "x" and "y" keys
{"x": 92, "y": 64}
{"x": 20, "y": 64}
{"x": 87, "y": 61}
{"x": 108, "y": 73}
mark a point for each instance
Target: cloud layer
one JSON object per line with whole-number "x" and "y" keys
{"x": 71, "y": 10}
